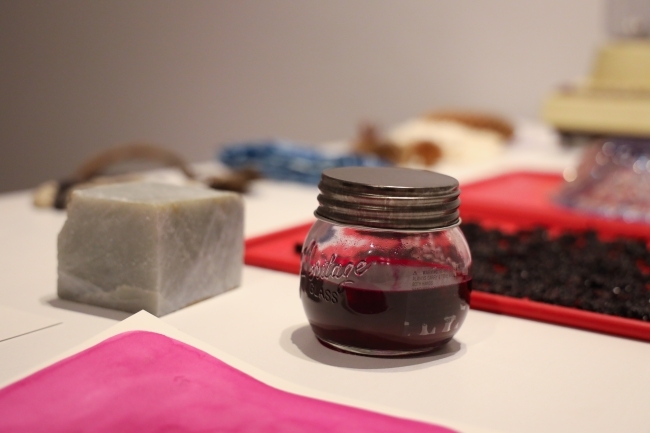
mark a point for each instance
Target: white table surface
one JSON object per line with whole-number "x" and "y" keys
{"x": 499, "y": 373}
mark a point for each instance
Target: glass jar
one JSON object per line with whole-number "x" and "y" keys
{"x": 385, "y": 270}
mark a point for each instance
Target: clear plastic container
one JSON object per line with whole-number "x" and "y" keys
{"x": 612, "y": 180}
{"x": 372, "y": 284}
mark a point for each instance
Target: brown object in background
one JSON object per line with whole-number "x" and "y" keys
{"x": 237, "y": 181}
{"x": 476, "y": 120}
{"x": 108, "y": 158}
{"x": 369, "y": 142}
{"x": 425, "y": 152}
{"x": 95, "y": 171}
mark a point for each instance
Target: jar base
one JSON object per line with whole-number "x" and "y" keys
{"x": 377, "y": 352}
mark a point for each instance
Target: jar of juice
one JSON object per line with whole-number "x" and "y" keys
{"x": 385, "y": 270}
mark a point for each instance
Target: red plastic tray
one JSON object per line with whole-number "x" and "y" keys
{"x": 524, "y": 199}
{"x": 515, "y": 200}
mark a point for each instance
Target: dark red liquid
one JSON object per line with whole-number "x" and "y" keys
{"x": 384, "y": 320}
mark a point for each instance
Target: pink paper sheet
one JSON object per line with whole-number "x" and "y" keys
{"x": 146, "y": 382}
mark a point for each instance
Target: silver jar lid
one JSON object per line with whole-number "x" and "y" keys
{"x": 388, "y": 198}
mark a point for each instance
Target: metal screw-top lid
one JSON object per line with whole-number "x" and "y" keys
{"x": 388, "y": 198}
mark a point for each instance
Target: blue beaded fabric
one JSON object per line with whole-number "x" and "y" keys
{"x": 286, "y": 160}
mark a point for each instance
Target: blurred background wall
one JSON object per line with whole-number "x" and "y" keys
{"x": 77, "y": 76}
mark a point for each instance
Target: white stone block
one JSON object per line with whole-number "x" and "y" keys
{"x": 150, "y": 246}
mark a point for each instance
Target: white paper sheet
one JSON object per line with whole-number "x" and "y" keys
{"x": 144, "y": 321}
{"x": 14, "y": 323}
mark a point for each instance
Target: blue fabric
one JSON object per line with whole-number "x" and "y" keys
{"x": 285, "y": 160}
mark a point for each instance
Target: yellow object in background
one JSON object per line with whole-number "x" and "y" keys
{"x": 615, "y": 99}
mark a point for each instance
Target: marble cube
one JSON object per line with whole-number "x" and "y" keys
{"x": 148, "y": 246}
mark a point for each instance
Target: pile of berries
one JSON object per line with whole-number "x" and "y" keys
{"x": 575, "y": 270}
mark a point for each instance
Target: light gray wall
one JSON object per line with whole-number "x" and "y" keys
{"x": 77, "y": 75}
